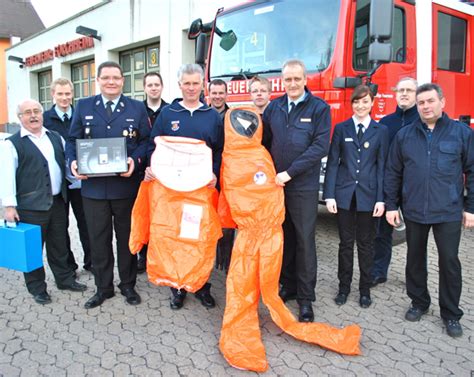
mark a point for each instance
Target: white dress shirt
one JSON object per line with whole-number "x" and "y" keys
{"x": 365, "y": 123}
{"x": 9, "y": 164}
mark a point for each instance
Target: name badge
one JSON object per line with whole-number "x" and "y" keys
{"x": 305, "y": 120}
{"x": 89, "y": 117}
{"x": 348, "y": 139}
{"x": 130, "y": 120}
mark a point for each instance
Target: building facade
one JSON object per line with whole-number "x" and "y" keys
{"x": 142, "y": 35}
{"x": 18, "y": 20}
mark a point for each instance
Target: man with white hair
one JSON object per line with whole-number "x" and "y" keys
{"x": 35, "y": 192}
{"x": 189, "y": 117}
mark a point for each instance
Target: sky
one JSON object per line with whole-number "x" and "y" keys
{"x": 53, "y": 11}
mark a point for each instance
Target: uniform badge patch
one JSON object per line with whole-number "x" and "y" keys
{"x": 366, "y": 145}
{"x": 260, "y": 178}
{"x": 175, "y": 125}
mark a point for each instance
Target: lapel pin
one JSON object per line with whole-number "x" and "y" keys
{"x": 366, "y": 145}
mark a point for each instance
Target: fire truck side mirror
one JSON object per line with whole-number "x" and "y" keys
{"x": 381, "y": 19}
{"x": 201, "y": 49}
{"x": 195, "y": 29}
{"x": 380, "y": 52}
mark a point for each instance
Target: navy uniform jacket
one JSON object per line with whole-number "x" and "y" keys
{"x": 52, "y": 122}
{"x": 299, "y": 140}
{"x": 355, "y": 166}
{"x": 91, "y": 120}
{"x": 429, "y": 174}
{"x": 399, "y": 119}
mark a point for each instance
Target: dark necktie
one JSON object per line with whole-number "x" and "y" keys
{"x": 108, "y": 108}
{"x": 292, "y": 106}
{"x": 360, "y": 133}
{"x": 65, "y": 117}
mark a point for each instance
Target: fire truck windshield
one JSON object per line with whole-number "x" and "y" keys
{"x": 259, "y": 39}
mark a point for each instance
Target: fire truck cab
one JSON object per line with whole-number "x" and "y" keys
{"x": 344, "y": 43}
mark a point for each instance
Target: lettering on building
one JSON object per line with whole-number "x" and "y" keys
{"x": 60, "y": 50}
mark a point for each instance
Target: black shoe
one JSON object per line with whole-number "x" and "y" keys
{"x": 365, "y": 301}
{"x": 453, "y": 327}
{"x": 306, "y": 313}
{"x": 206, "y": 299}
{"x": 42, "y": 298}
{"x": 177, "y": 299}
{"x": 141, "y": 265}
{"x": 414, "y": 314}
{"x": 341, "y": 298}
{"x": 75, "y": 286}
{"x": 88, "y": 267}
{"x": 377, "y": 281}
{"x": 132, "y": 297}
{"x": 98, "y": 299}
{"x": 287, "y": 295}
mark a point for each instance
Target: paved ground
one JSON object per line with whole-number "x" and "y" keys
{"x": 63, "y": 338}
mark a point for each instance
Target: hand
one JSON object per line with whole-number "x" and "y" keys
{"x": 379, "y": 209}
{"x": 74, "y": 171}
{"x": 331, "y": 205}
{"x": 282, "y": 178}
{"x": 131, "y": 168}
{"x": 393, "y": 218}
{"x": 11, "y": 215}
{"x": 213, "y": 181}
{"x": 149, "y": 176}
{"x": 468, "y": 220}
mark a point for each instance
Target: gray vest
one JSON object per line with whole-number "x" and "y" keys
{"x": 33, "y": 182}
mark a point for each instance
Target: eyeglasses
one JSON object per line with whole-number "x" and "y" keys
{"x": 405, "y": 90}
{"x": 31, "y": 112}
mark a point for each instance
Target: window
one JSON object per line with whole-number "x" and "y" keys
{"x": 44, "y": 88}
{"x": 83, "y": 79}
{"x": 135, "y": 64}
{"x": 362, "y": 38}
{"x": 451, "y": 43}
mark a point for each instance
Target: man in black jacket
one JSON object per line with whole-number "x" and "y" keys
{"x": 296, "y": 132}
{"x": 429, "y": 165}
{"x": 405, "y": 113}
{"x": 153, "y": 87}
{"x": 34, "y": 191}
{"x": 58, "y": 119}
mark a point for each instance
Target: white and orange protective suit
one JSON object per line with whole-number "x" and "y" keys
{"x": 176, "y": 216}
{"x": 256, "y": 205}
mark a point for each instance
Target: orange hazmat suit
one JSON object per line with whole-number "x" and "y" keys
{"x": 256, "y": 205}
{"x": 175, "y": 215}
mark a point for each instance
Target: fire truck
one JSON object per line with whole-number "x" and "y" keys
{"x": 344, "y": 43}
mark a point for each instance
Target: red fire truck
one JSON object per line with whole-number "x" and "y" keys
{"x": 344, "y": 43}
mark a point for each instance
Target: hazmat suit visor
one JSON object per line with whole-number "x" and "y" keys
{"x": 181, "y": 163}
{"x": 244, "y": 122}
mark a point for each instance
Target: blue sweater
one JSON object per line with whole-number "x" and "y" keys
{"x": 203, "y": 124}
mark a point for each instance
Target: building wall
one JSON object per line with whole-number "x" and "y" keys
{"x": 122, "y": 25}
{"x": 4, "y": 44}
